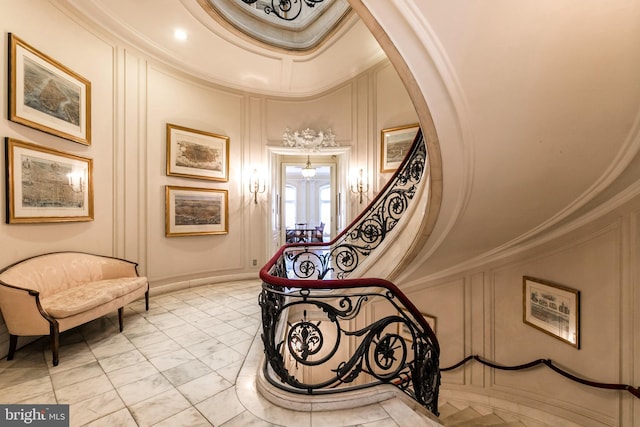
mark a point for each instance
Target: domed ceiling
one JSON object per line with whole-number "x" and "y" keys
{"x": 326, "y": 46}
{"x": 297, "y": 25}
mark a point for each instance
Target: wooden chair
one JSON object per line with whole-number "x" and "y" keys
{"x": 318, "y": 234}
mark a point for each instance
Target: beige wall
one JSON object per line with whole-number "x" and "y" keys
{"x": 93, "y": 58}
{"x": 133, "y": 97}
{"x": 480, "y": 311}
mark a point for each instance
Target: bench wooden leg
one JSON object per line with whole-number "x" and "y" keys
{"x": 13, "y": 343}
{"x": 55, "y": 342}
{"x": 120, "y": 319}
{"x": 146, "y": 300}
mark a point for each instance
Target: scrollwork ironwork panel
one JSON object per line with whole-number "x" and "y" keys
{"x": 333, "y": 330}
{"x": 373, "y": 354}
{"x": 340, "y": 259}
{"x": 287, "y": 10}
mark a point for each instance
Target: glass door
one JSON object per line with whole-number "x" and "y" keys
{"x": 308, "y": 203}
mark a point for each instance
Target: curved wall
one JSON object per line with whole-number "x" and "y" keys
{"x": 539, "y": 142}
{"x": 133, "y": 98}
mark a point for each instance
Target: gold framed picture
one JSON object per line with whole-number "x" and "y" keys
{"x": 197, "y": 154}
{"x": 193, "y": 211}
{"x": 552, "y": 308}
{"x": 46, "y": 185}
{"x": 46, "y": 95}
{"x": 395, "y": 143}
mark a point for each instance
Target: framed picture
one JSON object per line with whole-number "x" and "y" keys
{"x": 394, "y": 145}
{"x": 196, "y": 154}
{"x": 45, "y": 185}
{"x": 553, "y": 309}
{"x": 195, "y": 211}
{"x": 46, "y": 95}
{"x": 404, "y": 331}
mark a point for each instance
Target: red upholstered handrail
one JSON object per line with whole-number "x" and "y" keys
{"x": 267, "y": 277}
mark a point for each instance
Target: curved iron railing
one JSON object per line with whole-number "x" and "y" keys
{"x": 324, "y": 332}
{"x": 340, "y": 257}
{"x": 323, "y": 325}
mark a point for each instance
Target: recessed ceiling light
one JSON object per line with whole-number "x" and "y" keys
{"x": 180, "y": 34}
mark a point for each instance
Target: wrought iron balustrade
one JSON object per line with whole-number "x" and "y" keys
{"x": 325, "y": 331}
{"x": 318, "y": 340}
{"x": 340, "y": 258}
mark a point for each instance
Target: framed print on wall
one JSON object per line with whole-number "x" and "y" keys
{"x": 197, "y": 154}
{"x": 394, "y": 145}
{"x": 46, "y": 95}
{"x": 553, "y": 309}
{"x": 195, "y": 211}
{"x": 46, "y": 185}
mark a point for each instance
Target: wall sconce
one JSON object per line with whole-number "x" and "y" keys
{"x": 256, "y": 185}
{"x": 359, "y": 185}
{"x": 76, "y": 181}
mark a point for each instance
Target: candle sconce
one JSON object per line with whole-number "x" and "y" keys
{"x": 257, "y": 185}
{"x": 360, "y": 185}
{"x": 76, "y": 182}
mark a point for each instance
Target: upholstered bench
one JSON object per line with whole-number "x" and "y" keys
{"x": 51, "y": 293}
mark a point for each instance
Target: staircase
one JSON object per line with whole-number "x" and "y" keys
{"x": 345, "y": 347}
{"x": 452, "y": 415}
{"x": 403, "y": 412}
{"x": 458, "y": 408}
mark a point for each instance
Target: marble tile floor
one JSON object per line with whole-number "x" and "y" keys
{"x": 179, "y": 364}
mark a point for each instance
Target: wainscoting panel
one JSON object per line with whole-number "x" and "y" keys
{"x": 446, "y": 302}
{"x": 591, "y": 265}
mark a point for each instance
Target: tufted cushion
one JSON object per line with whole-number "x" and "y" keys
{"x": 85, "y": 297}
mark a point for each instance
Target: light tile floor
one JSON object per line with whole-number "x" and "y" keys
{"x": 179, "y": 364}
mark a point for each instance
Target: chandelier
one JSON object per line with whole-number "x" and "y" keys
{"x": 309, "y": 139}
{"x": 308, "y": 172}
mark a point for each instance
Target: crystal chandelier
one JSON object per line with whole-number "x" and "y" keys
{"x": 308, "y": 172}
{"x": 309, "y": 139}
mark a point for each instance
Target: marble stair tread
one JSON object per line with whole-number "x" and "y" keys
{"x": 446, "y": 410}
{"x": 483, "y": 420}
{"x": 406, "y": 416}
{"x": 460, "y": 417}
